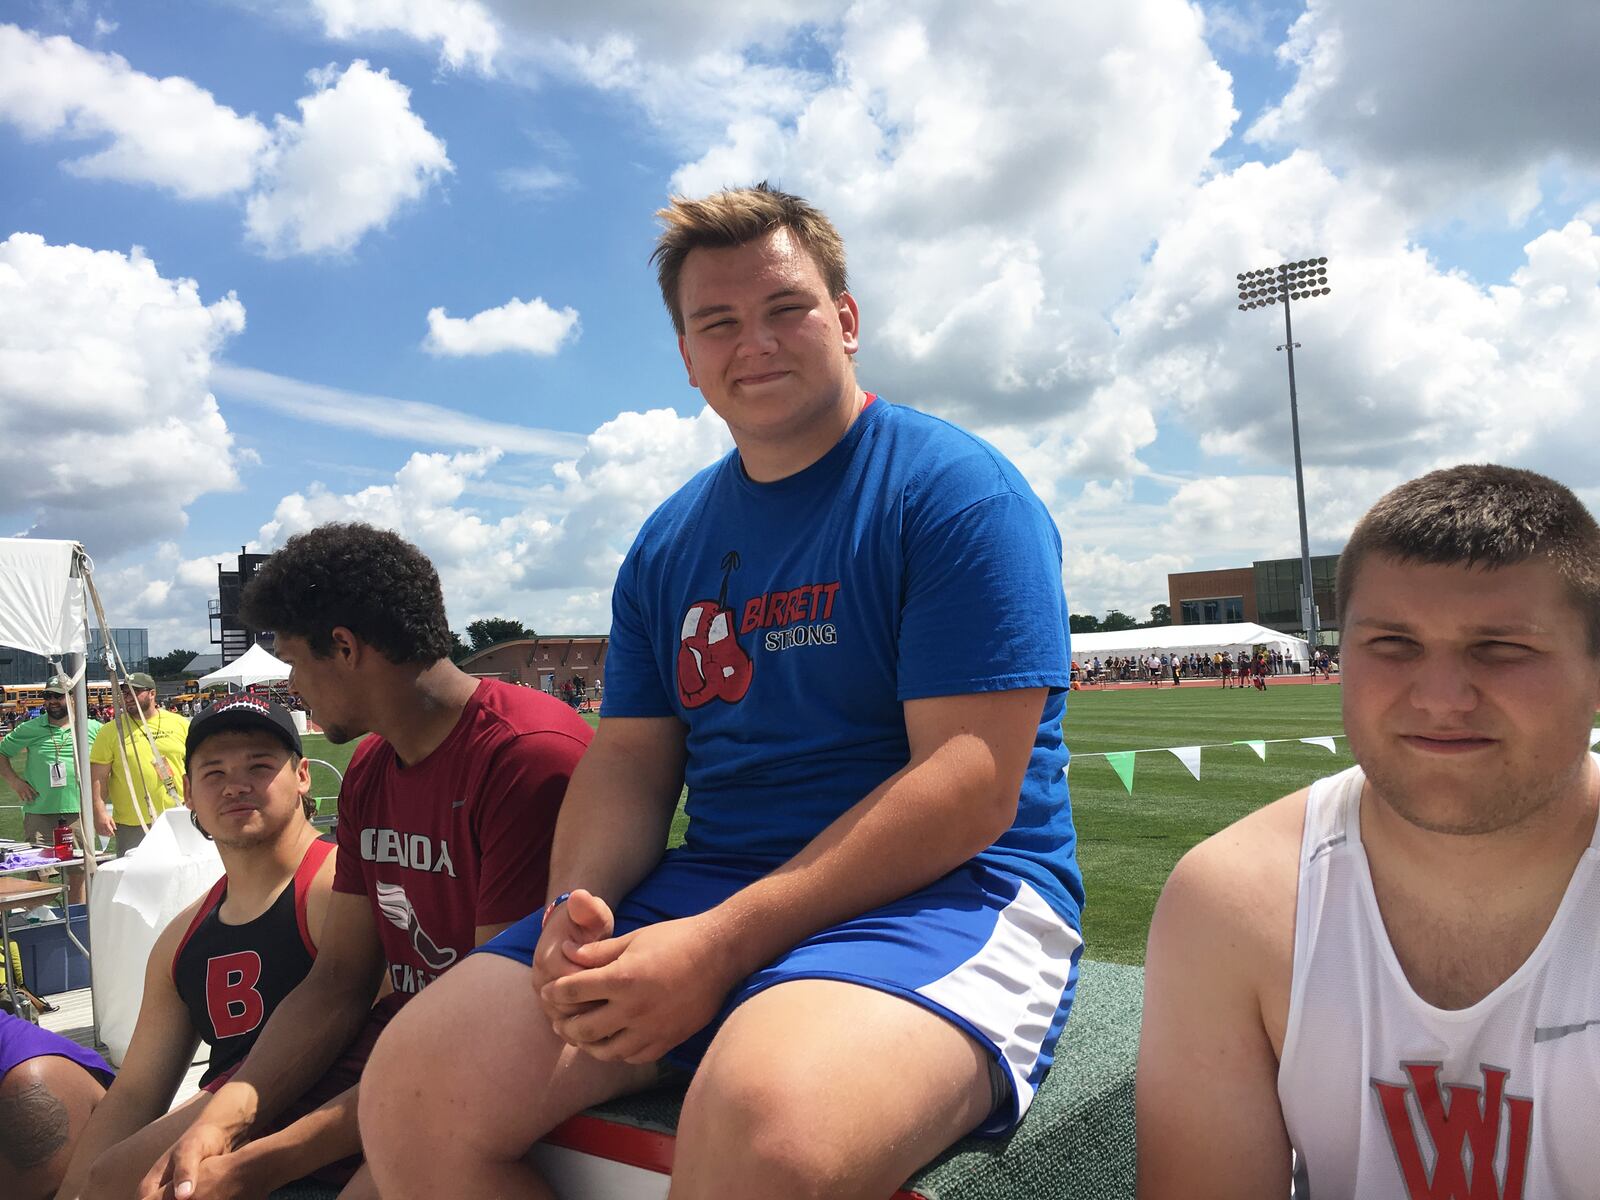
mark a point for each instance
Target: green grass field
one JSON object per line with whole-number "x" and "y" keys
{"x": 1128, "y": 844}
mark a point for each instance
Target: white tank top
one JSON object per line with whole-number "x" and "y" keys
{"x": 1387, "y": 1097}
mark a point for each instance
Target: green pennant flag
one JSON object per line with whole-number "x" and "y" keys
{"x": 1259, "y": 747}
{"x": 1122, "y": 763}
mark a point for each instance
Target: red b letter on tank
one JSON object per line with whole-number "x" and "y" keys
{"x": 231, "y": 997}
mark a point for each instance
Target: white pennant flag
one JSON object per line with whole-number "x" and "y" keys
{"x": 1325, "y": 742}
{"x": 1189, "y": 756}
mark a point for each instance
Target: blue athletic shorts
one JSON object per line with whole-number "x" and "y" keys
{"x": 978, "y": 947}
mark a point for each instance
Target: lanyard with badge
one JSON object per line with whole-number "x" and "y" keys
{"x": 58, "y": 768}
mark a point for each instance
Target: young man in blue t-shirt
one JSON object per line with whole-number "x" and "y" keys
{"x": 849, "y": 639}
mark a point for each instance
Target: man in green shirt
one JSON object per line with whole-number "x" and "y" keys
{"x": 48, "y": 784}
{"x": 157, "y": 778}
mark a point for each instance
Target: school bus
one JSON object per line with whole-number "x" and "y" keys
{"x": 19, "y": 698}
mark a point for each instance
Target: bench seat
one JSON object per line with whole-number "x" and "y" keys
{"x": 1076, "y": 1143}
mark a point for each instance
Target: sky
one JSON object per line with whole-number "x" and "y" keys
{"x": 265, "y": 265}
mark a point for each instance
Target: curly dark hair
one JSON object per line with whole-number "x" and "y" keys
{"x": 371, "y": 581}
{"x": 1487, "y": 516}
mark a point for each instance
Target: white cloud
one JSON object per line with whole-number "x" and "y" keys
{"x": 1440, "y": 98}
{"x": 463, "y": 29}
{"x": 688, "y": 65}
{"x": 536, "y": 181}
{"x": 318, "y": 185}
{"x": 487, "y": 34}
{"x": 357, "y": 154}
{"x": 997, "y": 196}
{"x": 550, "y": 563}
{"x": 1240, "y": 29}
{"x": 385, "y": 416}
{"x": 161, "y": 591}
{"x": 529, "y": 326}
{"x": 168, "y": 132}
{"x": 1403, "y": 367}
{"x": 1099, "y": 580}
{"x": 109, "y": 431}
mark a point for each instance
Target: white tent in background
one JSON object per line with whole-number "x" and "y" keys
{"x": 42, "y": 609}
{"x": 1187, "y": 639}
{"x": 255, "y": 665}
{"x": 41, "y": 597}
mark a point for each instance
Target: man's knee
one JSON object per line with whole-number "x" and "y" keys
{"x": 766, "y": 1118}
{"x": 434, "y": 1065}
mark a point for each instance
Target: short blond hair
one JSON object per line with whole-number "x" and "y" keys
{"x": 733, "y": 217}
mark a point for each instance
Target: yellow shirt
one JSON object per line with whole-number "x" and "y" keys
{"x": 169, "y": 730}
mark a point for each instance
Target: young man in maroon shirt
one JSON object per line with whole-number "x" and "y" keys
{"x": 445, "y": 818}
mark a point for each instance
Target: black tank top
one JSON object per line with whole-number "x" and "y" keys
{"x": 232, "y": 977}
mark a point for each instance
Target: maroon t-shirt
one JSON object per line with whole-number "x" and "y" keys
{"x": 462, "y": 838}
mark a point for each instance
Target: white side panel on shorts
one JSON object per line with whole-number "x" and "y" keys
{"x": 578, "y": 1176}
{"x": 1011, "y": 988}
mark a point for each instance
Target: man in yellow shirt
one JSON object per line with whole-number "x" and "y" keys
{"x": 157, "y": 778}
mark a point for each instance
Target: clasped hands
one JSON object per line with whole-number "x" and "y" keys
{"x": 630, "y": 998}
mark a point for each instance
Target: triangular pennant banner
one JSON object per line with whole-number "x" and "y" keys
{"x": 1325, "y": 742}
{"x": 1189, "y": 756}
{"x": 1066, "y": 770}
{"x": 1594, "y": 737}
{"x": 1122, "y": 763}
{"x": 1259, "y": 747}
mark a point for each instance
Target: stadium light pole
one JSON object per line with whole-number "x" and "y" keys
{"x": 1300, "y": 280}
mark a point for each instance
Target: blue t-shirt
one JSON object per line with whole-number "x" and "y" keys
{"x": 786, "y": 623}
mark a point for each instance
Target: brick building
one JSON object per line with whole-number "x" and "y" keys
{"x": 545, "y": 662}
{"x": 1266, "y": 592}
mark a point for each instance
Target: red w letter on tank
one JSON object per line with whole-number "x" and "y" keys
{"x": 1469, "y": 1118}
{"x": 232, "y": 1001}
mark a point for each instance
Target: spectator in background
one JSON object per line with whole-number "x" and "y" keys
{"x": 145, "y": 777}
{"x": 48, "y": 783}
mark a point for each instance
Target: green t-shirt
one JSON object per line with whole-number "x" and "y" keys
{"x": 48, "y": 752}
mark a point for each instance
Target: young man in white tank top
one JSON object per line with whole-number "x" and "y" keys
{"x": 1387, "y": 985}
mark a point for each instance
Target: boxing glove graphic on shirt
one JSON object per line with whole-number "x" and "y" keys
{"x": 711, "y": 663}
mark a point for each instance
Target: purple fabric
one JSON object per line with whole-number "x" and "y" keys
{"x": 20, "y": 1041}
{"x": 26, "y": 859}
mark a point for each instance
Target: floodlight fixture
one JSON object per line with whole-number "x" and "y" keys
{"x": 1300, "y": 280}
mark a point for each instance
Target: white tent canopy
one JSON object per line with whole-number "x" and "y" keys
{"x": 1186, "y": 639}
{"x": 41, "y": 601}
{"x": 254, "y": 666}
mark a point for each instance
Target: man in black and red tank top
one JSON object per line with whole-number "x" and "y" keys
{"x": 222, "y": 966}
{"x": 231, "y": 976}
{"x": 445, "y": 823}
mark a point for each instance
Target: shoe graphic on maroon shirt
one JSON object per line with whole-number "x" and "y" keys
{"x": 396, "y": 908}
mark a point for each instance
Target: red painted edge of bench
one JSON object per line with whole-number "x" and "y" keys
{"x": 642, "y": 1148}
